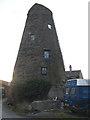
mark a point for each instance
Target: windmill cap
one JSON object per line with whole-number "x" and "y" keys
{"x": 39, "y": 8}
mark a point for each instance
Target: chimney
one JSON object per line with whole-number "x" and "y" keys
{"x": 70, "y": 67}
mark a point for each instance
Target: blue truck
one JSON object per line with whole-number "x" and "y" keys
{"x": 77, "y": 95}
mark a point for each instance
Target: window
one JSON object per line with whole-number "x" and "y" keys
{"x": 49, "y": 26}
{"x": 73, "y": 90}
{"x": 46, "y": 54}
{"x": 32, "y": 37}
{"x": 43, "y": 70}
{"x": 67, "y": 90}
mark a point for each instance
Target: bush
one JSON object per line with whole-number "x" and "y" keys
{"x": 30, "y": 90}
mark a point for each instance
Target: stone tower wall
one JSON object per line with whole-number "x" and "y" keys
{"x": 39, "y": 35}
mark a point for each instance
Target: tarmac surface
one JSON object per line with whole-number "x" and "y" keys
{"x": 7, "y": 112}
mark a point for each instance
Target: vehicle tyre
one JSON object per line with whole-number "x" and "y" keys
{"x": 88, "y": 113}
{"x": 73, "y": 111}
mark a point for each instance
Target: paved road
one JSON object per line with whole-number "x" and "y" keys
{"x": 0, "y": 108}
{"x": 7, "y": 112}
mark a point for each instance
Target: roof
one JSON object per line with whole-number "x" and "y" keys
{"x": 73, "y": 74}
{"x": 81, "y": 82}
{"x": 2, "y": 82}
{"x": 39, "y": 8}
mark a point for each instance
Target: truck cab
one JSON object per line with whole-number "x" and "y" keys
{"x": 77, "y": 95}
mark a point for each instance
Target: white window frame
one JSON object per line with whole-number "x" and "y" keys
{"x": 46, "y": 54}
{"x": 44, "y": 70}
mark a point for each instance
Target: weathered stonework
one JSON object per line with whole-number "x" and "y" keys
{"x": 45, "y": 105}
{"x": 39, "y": 39}
{"x": 30, "y": 57}
{"x": 56, "y": 91}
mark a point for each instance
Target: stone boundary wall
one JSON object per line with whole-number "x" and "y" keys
{"x": 45, "y": 105}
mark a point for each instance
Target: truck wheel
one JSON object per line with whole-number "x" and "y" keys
{"x": 88, "y": 113}
{"x": 73, "y": 111}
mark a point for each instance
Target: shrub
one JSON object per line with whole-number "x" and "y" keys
{"x": 30, "y": 90}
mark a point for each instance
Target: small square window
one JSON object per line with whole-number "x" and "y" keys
{"x": 46, "y": 54}
{"x": 49, "y": 26}
{"x": 32, "y": 37}
{"x": 44, "y": 70}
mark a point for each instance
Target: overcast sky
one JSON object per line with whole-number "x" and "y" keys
{"x": 71, "y": 21}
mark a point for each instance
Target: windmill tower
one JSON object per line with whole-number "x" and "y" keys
{"x": 39, "y": 54}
